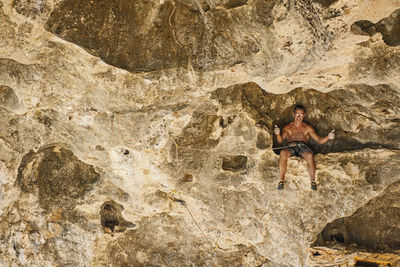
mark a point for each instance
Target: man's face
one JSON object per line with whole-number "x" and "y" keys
{"x": 299, "y": 115}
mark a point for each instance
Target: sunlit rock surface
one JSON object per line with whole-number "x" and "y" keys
{"x": 139, "y": 133}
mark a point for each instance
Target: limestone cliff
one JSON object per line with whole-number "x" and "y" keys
{"x": 139, "y": 133}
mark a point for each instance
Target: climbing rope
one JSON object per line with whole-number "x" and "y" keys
{"x": 183, "y": 202}
{"x": 281, "y": 147}
{"x": 197, "y": 224}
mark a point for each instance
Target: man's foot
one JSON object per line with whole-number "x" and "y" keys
{"x": 314, "y": 185}
{"x": 281, "y": 185}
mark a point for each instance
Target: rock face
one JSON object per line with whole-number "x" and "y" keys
{"x": 374, "y": 225}
{"x": 51, "y": 180}
{"x": 8, "y": 98}
{"x": 234, "y": 163}
{"x": 111, "y": 217}
{"x": 271, "y": 109}
{"x": 146, "y": 36}
{"x": 389, "y": 27}
{"x": 140, "y": 133}
{"x": 58, "y": 176}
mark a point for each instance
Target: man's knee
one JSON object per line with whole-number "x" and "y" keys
{"x": 308, "y": 156}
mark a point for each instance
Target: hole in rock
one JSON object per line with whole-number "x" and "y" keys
{"x": 234, "y": 163}
{"x": 111, "y": 218}
{"x": 326, "y": 3}
{"x": 338, "y": 237}
{"x": 187, "y": 178}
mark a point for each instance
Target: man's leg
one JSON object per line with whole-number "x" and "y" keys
{"x": 309, "y": 157}
{"x": 284, "y": 155}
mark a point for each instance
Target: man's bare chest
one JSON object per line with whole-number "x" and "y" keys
{"x": 297, "y": 133}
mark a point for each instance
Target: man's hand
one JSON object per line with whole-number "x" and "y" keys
{"x": 331, "y": 135}
{"x": 277, "y": 131}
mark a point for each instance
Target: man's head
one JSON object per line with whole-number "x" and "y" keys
{"x": 299, "y": 112}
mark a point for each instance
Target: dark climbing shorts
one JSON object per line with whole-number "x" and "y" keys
{"x": 298, "y": 148}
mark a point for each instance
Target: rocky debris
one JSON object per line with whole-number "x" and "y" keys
{"x": 351, "y": 256}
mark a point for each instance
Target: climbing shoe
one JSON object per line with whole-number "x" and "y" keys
{"x": 314, "y": 185}
{"x": 281, "y": 185}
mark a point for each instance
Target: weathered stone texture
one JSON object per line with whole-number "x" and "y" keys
{"x": 57, "y": 175}
{"x": 30, "y": 8}
{"x": 234, "y": 163}
{"x": 143, "y": 252}
{"x": 375, "y": 225}
{"x": 272, "y": 109}
{"x": 389, "y": 27}
{"x": 8, "y": 98}
{"x": 144, "y": 36}
{"x": 326, "y": 3}
{"x": 111, "y": 217}
{"x": 140, "y": 133}
{"x": 113, "y": 31}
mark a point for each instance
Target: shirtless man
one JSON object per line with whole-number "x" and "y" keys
{"x": 297, "y": 134}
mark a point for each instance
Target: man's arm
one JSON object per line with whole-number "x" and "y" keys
{"x": 280, "y": 137}
{"x": 319, "y": 139}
